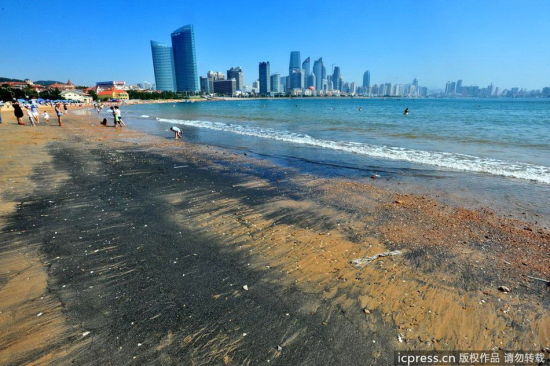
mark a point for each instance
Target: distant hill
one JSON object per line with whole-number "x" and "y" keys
{"x": 8, "y": 79}
{"x": 47, "y": 82}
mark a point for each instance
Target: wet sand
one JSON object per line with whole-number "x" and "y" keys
{"x": 122, "y": 248}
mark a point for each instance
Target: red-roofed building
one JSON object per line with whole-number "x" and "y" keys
{"x": 68, "y": 86}
{"x": 15, "y": 84}
{"x": 113, "y": 94}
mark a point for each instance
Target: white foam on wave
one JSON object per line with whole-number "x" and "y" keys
{"x": 144, "y": 116}
{"x": 441, "y": 159}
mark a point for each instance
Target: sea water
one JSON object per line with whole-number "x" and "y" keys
{"x": 475, "y": 150}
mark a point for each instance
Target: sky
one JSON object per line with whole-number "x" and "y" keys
{"x": 506, "y": 42}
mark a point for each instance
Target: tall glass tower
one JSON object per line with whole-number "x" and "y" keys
{"x": 265, "y": 78}
{"x": 306, "y": 66}
{"x": 336, "y": 79}
{"x": 318, "y": 72}
{"x": 294, "y": 63}
{"x": 163, "y": 66}
{"x": 185, "y": 60}
{"x": 366, "y": 80}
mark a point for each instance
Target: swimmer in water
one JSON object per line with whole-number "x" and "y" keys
{"x": 406, "y": 111}
{"x": 360, "y": 108}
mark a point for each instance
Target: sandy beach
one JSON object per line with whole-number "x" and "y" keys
{"x": 118, "y": 247}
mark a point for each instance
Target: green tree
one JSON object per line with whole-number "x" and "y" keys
{"x": 93, "y": 94}
{"x": 52, "y": 94}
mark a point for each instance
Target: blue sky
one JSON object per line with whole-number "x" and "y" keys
{"x": 502, "y": 41}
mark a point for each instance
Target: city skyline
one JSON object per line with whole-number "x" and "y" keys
{"x": 449, "y": 42}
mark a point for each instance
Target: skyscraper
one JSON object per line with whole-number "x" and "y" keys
{"x": 284, "y": 84}
{"x": 205, "y": 85}
{"x": 336, "y": 78}
{"x": 237, "y": 74}
{"x": 265, "y": 76}
{"x": 276, "y": 83}
{"x": 311, "y": 81}
{"x": 294, "y": 61}
{"x": 185, "y": 60}
{"x": 306, "y": 67}
{"x": 366, "y": 81}
{"x": 296, "y": 79}
{"x": 459, "y": 87}
{"x": 163, "y": 66}
{"x": 318, "y": 72}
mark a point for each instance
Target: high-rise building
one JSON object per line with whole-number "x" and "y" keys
{"x": 336, "y": 79}
{"x": 185, "y": 60}
{"x": 311, "y": 81}
{"x": 294, "y": 61}
{"x": 296, "y": 79}
{"x": 225, "y": 87}
{"x": 265, "y": 76}
{"x": 306, "y": 67}
{"x": 284, "y": 83}
{"x": 452, "y": 88}
{"x": 237, "y": 74}
{"x": 163, "y": 66}
{"x": 275, "y": 83}
{"x": 459, "y": 87}
{"x": 366, "y": 81}
{"x": 212, "y": 76}
{"x": 205, "y": 85}
{"x": 318, "y": 72}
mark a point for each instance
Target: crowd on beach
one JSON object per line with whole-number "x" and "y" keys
{"x": 34, "y": 115}
{"x": 33, "y": 112}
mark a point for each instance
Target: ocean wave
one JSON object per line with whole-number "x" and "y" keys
{"x": 440, "y": 159}
{"x": 144, "y": 116}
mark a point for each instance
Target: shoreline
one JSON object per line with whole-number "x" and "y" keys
{"x": 134, "y": 219}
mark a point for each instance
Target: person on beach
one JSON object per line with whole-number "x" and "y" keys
{"x": 46, "y": 116}
{"x": 35, "y": 113}
{"x": 118, "y": 117}
{"x": 66, "y": 108}
{"x": 58, "y": 113}
{"x": 114, "y": 116}
{"x": 176, "y": 131}
{"x": 30, "y": 114}
{"x": 18, "y": 112}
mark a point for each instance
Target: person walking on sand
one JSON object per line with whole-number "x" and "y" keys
{"x": 176, "y": 131}
{"x": 35, "y": 113}
{"x": 58, "y": 113}
{"x": 46, "y": 116}
{"x": 65, "y": 108}
{"x": 119, "y": 117}
{"x": 30, "y": 115}
{"x": 18, "y": 112}
{"x": 114, "y": 116}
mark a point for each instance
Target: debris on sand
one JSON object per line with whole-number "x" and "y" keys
{"x": 85, "y": 333}
{"x": 504, "y": 289}
{"x": 279, "y": 348}
{"x": 362, "y": 262}
{"x": 539, "y": 279}
{"x": 245, "y": 287}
